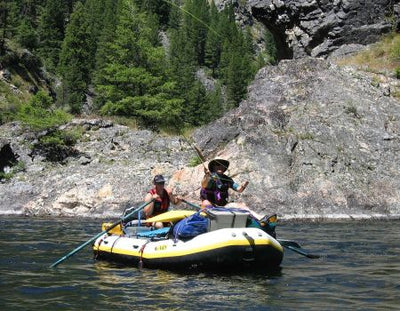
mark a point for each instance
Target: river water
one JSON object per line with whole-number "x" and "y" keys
{"x": 359, "y": 270}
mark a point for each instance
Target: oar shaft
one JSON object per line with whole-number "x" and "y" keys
{"x": 191, "y": 204}
{"x": 79, "y": 248}
{"x": 98, "y": 235}
{"x": 295, "y": 247}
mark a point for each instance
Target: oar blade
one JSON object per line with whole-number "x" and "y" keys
{"x": 295, "y": 247}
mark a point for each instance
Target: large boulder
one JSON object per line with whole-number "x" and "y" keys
{"x": 314, "y": 140}
{"x": 319, "y": 27}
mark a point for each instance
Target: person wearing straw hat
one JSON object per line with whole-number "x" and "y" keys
{"x": 215, "y": 186}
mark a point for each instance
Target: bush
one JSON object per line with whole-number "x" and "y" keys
{"x": 38, "y": 116}
{"x": 41, "y": 100}
{"x": 397, "y": 72}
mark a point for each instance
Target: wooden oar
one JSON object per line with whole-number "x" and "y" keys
{"x": 295, "y": 247}
{"x": 100, "y": 234}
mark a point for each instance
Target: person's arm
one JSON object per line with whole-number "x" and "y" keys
{"x": 175, "y": 199}
{"x": 206, "y": 178}
{"x": 148, "y": 210}
{"x": 240, "y": 188}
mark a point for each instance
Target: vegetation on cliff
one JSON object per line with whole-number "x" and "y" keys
{"x": 137, "y": 59}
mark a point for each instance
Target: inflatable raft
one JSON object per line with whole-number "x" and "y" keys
{"x": 224, "y": 240}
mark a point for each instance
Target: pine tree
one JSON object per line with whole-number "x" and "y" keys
{"x": 51, "y": 31}
{"x": 195, "y": 26}
{"x": 4, "y": 20}
{"x": 237, "y": 66}
{"x": 182, "y": 59}
{"x": 175, "y": 16}
{"x": 133, "y": 81}
{"x": 109, "y": 20}
{"x": 74, "y": 59}
{"x": 213, "y": 42}
{"x": 160, "y": 8}
{"x": 95, "y": 15}
{"x": 270, "y": 47}
{"x": 26, "y": 34}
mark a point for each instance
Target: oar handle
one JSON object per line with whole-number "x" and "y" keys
{"x": 100, "y": 234}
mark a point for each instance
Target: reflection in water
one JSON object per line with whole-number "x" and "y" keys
{"x": 358, "y": 270}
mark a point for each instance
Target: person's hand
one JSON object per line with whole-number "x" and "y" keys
{"x": 155, "y": 196}
{"x": 178, "y": 199}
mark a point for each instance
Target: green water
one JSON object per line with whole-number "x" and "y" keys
{"x": 359, "y": 270}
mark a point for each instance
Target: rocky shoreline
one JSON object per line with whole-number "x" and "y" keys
{"x": 314, "y": 139}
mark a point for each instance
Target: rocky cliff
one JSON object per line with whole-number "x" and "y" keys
{"x": 314, "y": 140}
{"x": 320, "y": 27}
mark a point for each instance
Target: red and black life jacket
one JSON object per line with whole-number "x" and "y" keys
{"x": 161, "y": 204}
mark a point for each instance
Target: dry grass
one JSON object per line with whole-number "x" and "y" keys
{"x": 382, "y": 57}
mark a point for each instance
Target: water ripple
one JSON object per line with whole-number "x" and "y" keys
{"x": 358, "y": 271}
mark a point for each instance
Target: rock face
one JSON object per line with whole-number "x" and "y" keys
{"x": 111, "y": 169}
{"x": 314, "y": 140}
{"x": 319, "y": 27}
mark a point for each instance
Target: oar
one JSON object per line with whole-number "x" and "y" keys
{"x": 192, "y": 205}
{"x": 100, "y": 234}
{"x": 294, "y": 246}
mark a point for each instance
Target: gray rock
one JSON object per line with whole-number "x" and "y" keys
{"x": 315, "y": 141}
{"x": 317, "y": 28}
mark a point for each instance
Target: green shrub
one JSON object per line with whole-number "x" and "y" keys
{"x": 38, "y": 116}
{"x": 41, "y": 100}
{"x": 194, "y": 161}
{"x": 397, "y": 72}
{"x": 19, "y": 167}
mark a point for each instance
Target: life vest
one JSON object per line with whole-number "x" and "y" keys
{"x": 217, "y": 189}
{"x": 161, "y": 204}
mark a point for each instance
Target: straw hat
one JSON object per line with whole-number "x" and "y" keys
{"x": 215, "y": 162}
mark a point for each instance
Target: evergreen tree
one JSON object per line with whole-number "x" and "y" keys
{"x": 51, "y": 31}
{"x": 182, "y": 63}
{"x": 4, "y": 24}
{"x": 74, "y": 59}
{"x": 133, "y": 82}
{"x": 175, "y": 16}
{"x": 182, "y": 67}
{"x": 195, "y": 26}
{"x": 95, "y": 11}
{"x": 26, "y": 34}
{"x": 23, "y": 19}
{"x": 28, "y": 10}
{"x": 270, "y": 47}
{"x": 213, "y": 42}
{"x": 239, "y": 70}
{"x": 109, "y": 20}
{"x": 160, "y": 8}
{"x": 237, "y": 66}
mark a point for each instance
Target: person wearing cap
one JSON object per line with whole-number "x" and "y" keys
{"x": 162, "y": 199}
